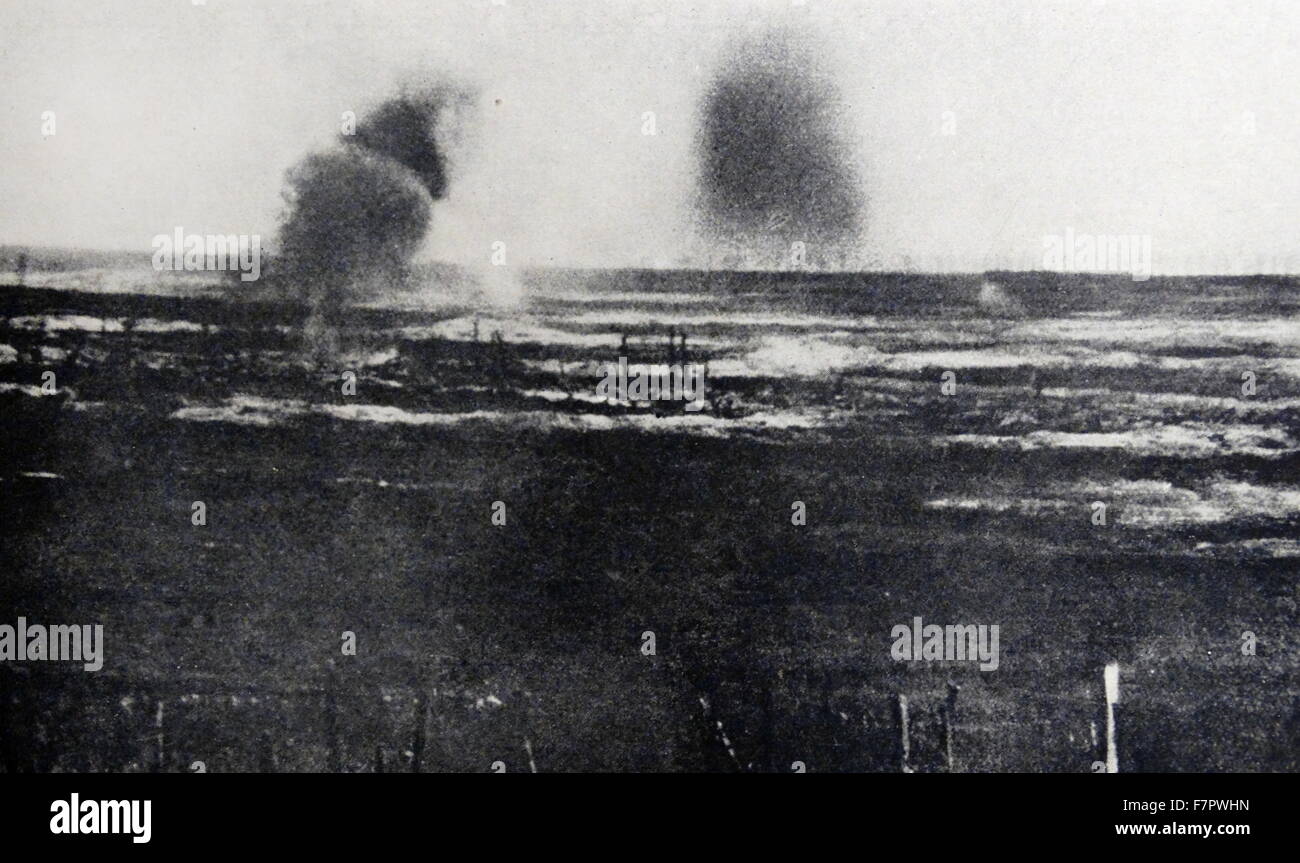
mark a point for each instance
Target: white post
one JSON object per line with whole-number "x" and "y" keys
{"x": 1112, "y": 698}
{"x": 904, "y": 738}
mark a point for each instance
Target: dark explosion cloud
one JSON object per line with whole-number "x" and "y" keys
{"x": 352, "y": 214}
{"x": 773, "y": 164}
{"x": 357, "y": 213}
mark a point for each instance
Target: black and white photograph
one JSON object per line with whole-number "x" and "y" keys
{"x": 648, "y": 386}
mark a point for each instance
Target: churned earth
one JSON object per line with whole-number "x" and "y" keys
{"x": 1175, "y": 403}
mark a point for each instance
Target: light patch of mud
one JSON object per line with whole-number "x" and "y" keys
{"x": 265, "y": 412}
{"x": 1190, "y": 440}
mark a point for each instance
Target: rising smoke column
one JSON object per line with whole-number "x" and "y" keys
{"x": 356, "y": 214}
{"x": 773, "y": 163}
{"x": 411, "y": 131}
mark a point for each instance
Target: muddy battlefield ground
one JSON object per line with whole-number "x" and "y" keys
{"x": 526, "y": 643}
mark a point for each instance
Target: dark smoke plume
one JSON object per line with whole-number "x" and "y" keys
{"x": 774, "y": 165}
{"x": 356, "y": 214}
{"x": 353, "y": 216}
{"x": 407, "y": 129}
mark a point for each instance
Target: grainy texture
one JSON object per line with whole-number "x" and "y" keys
{"x": 532, "y": 386}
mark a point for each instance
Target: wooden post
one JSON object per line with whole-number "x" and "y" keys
{"x": 528, "y": 747}
{"x": 1111, "y": 678}
{"x": 161, "y": 763}
{"x": 948, "y": 711}
{"x": 266, "y": 755}
{"x": 565, "y": 384}
{"x": 904, "y": 742}
{"x": 417, "y": 743}
{"x": 721, "y": 733}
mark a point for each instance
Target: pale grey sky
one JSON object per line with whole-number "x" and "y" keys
{"x": 1179, "y": 119}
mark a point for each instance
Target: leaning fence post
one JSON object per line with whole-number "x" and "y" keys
{"x": 721, "y": 733}
{"x": 1111, "y": 679}
{"x": 904, "y": 742}
{"x": 528, "y": 747}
